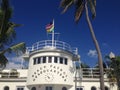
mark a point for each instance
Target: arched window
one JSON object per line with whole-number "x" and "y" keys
{"x": 64, "y": 88}
{"x": 33, "y": 88}
{"x": 93, "y": 88}
{"x": 6, "y": 88}
{"x": 106, "y": 88}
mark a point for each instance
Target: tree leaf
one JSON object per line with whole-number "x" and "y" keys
{"x": 79, "y": 11}
{"x": 92, "y": 8}
{"x": 18, "y": 47}
{"x": 65, "y": 4}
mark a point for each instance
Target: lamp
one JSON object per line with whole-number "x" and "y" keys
{"x": 112, "y": 55}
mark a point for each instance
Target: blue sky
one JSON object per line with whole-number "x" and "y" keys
{"x": 35, "y": 14}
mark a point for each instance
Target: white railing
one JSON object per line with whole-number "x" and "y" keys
{"x": 90, "y": 72}
{"x": 49, "y": 44}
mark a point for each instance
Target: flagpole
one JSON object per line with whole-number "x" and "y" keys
{"x": 53, "y": 35}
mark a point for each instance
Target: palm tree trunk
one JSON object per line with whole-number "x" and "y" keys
{"x": 97, "y": 48}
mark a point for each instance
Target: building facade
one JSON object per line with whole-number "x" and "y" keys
{"x": 52, "y": 67}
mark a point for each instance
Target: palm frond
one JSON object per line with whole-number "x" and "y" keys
{"x": 3, "y": 61}
{"x": 94, "y": 2}
{"x": 18, "y": 48}
{"x": 92, "y": 8}
{"x": 6, "y": 15}
{"x": 79, "y": 10}
{"x": 65, "y": 4}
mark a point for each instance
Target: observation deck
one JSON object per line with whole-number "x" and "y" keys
{"x": 49, "y": 44}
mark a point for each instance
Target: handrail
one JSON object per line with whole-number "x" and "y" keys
{"x": 90, "y": 72}
{"x": 49, "y": 43}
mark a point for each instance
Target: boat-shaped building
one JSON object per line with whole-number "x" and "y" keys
{"x": 52, "y": 66}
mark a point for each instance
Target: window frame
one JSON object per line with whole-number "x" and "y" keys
{"x": 20, "y": 87}
{"x": 79, "y": 88}
{"x": 48, "y": 88}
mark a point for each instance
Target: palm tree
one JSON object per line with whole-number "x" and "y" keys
{"x": 7, "y": 34}
{"x": 113, "y": 63}
{"x": 80, "y": 6}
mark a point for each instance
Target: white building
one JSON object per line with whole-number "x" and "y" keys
{"x": 52, "y": 67}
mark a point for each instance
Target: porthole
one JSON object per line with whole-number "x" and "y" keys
{"x": 47, "y": 70}
{"x": 44, "y": 66}
{"x": 33, "y": 79}
{"x": 57, "y": 72}
{"x": 57, "y": 67}
{"x": 40, "y": 68}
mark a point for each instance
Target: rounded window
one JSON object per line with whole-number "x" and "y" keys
{"x": 33, "y": 88}
{"x": 106, "y": 88}
{"x": 64, "y": 88}
{"x": 93, "y": 88}
{"x": 6, "y": 88}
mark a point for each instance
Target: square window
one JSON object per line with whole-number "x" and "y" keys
{"x": 61, "y": 60}
{"x": 34, "y": 61}
{"x": 39, "y": 60}
{"x": 49, "y": 88}
{"x": 49, "y": 59}
{"x": 20, "y": 88}
{"x": 79, "y": 88}
{"x": 55, "y": 59}
{"x": 66, "y": 61}
{"x": 44, "y": 59}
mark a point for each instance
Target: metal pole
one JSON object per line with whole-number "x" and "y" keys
{"x": 53, "y": 35}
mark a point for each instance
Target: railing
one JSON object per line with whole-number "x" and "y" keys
{"x": 51, "y": 44}
{"x": 89, "y": 72}
{"x": 9, "y": 75}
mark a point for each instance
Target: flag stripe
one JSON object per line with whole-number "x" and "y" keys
{"x": 50, "y": 27}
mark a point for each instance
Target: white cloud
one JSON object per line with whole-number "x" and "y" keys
{"x": 17, "y": 59}
{"x": 92, "y": 53}
{"x": 13, "y": 65}
{"x": 14, "y": 62}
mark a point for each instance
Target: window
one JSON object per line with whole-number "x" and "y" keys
{"x": 55, "y": 59}
{"x": 20, "y": 88}
{"x": 66, "y": 61}
{"x": 39, "y": 60}
{"x": 44, "y": 59}
{"x": 61, "y": 60}
{"x": 33, "y": 88}
{"x": 79, "y": 88}
{"x": 106, "y": 88}
{"x": 49, "y": 88}
{"x": 49, "y": 59}
{"x": 64, "y": 88}
{"x": 6, "y": 88}
{"x": 34, "y": 61}
{"x": 93, "y": 88}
